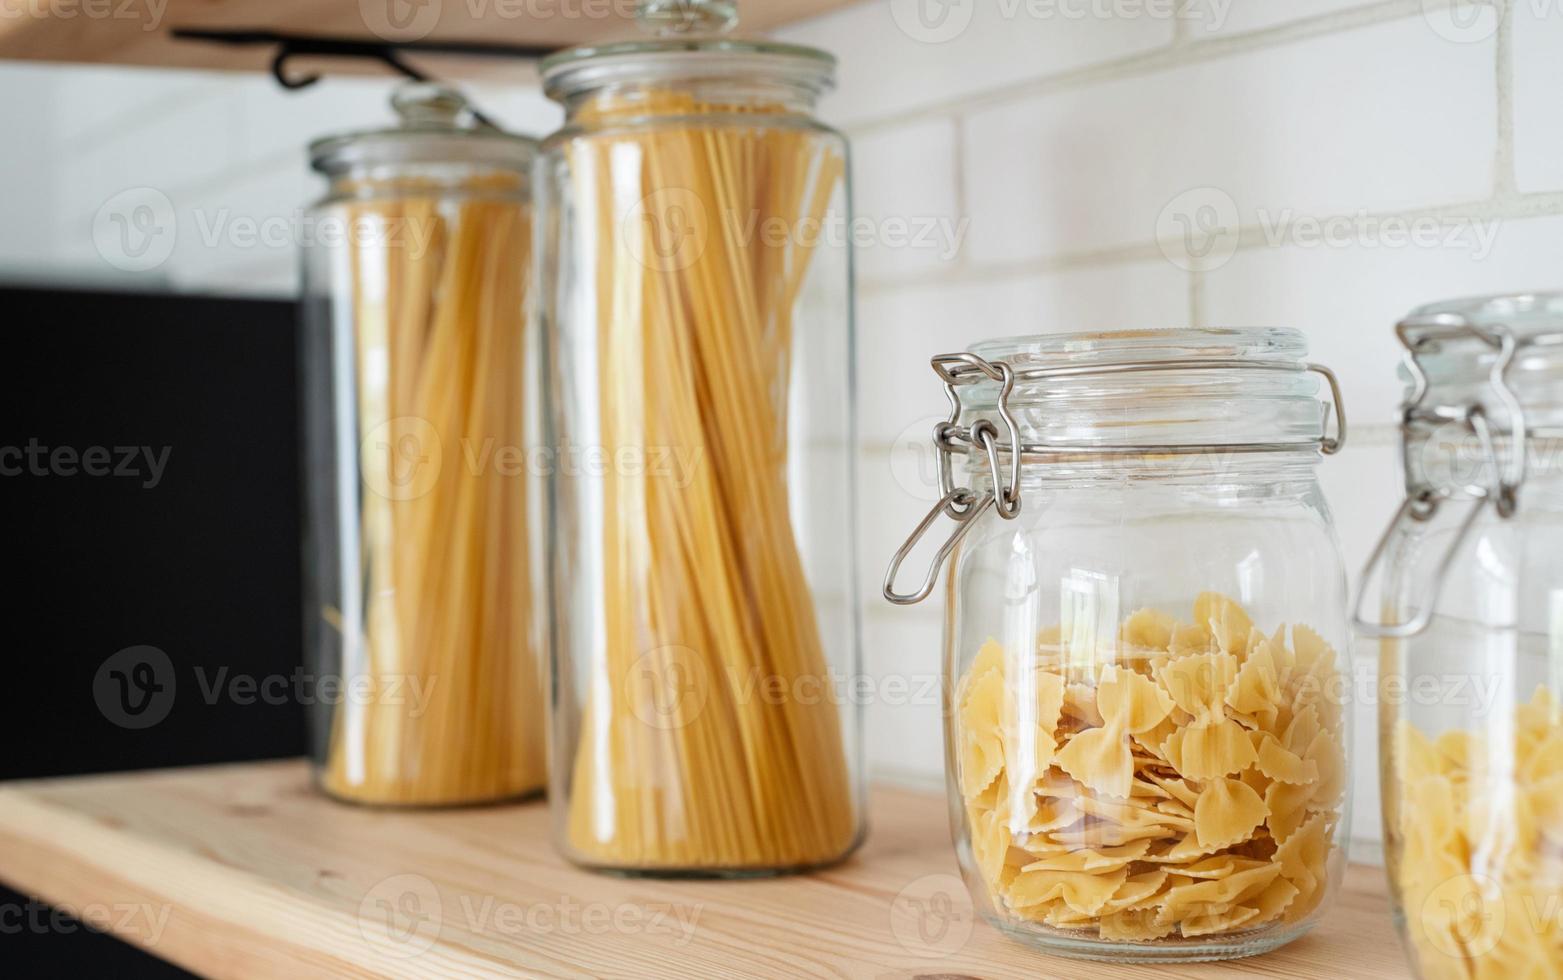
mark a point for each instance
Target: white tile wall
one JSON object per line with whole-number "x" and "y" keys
{"x": 905, "y": 181}
{"x": 1059, "y": 140}
{"x": 1218, "y": 18}
{"x": 1094, "y": 168}
{"x": 223, "y": 149}
{"x": 1538, "y": 111}
{"x": 901, "y": 55}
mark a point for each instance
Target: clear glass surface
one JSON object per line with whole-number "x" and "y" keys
{"x": 1146, "y": 721}
{"x": 423, "y": 651}
{"x": 701, "y": 552}
{"x": 1471, "y": 732}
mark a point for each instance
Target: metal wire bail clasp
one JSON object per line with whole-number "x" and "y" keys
{"x": 1501, "y": 491}
{"x": 963, "y": 504}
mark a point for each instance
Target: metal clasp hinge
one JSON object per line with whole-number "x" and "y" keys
{"x": 1421, "y": 335}
{"x": 962, "y": 504}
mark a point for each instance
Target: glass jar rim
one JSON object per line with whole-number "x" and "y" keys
{"x": 436, "y": 126}
{"x": 1533, "y": 319}
{"x": 589, "y": 67}
{"x": 1153, "y": 390}
{"x": 1148, "y": 344}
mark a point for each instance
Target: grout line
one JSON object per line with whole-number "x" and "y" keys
{"x": 1504, "y": 182}
{"x": 1163, "y": 58}
{"x": 1502, "y": 208}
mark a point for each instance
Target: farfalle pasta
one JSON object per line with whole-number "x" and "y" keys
{"x": 1478, "y": 855}
{"x": 1187, "y": 785}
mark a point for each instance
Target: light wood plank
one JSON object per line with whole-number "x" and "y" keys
{"x": 135, "y": 32}
{"x": 259, "y": 876}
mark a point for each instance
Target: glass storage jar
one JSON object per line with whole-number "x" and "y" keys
{"x": 420, "y": 638}
{"x": 1146, "y": 630}
{"x": 1469, "y": 590}
{"x": 697, "y": 316}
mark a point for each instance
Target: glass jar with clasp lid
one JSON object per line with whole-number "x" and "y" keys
{"x": 1465, "y": 596}
{"x": 1146, "y": 629}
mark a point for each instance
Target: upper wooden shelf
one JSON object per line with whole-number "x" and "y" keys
{"x": 245, "y": 871}
{"x": 135, "y": 32}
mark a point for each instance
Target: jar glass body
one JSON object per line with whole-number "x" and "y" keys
{"x": 423, "y": 651}
{"x": 1146, "y": 714}
{"x": 698, "y": 326}
{"x": 1470, "y": 722}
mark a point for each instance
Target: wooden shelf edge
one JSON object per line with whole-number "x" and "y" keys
{"x": 135, "y": 32}
{"x": 243, "y": 871}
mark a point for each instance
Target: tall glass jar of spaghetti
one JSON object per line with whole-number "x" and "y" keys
{"x": 1465, "y": 595}
{"x": 1147, "y": 628}
{"x": 423, "y": 669}
{"x": 697, "y": 314}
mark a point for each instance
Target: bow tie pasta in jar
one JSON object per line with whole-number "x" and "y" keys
{"x": 1146, "y": 619}
{"x": 1469, "y": 583}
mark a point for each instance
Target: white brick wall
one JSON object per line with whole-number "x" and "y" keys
{"x": 227, "y": 151}
{"x": 1377, "y": 154}
{"x": 1047, "y": 143}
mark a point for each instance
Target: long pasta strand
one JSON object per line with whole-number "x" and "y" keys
{"x": 706, "y": 597}
{"x": 456, "y": 711}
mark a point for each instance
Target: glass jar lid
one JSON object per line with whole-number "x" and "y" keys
{"x": 1155, "y": 391}
{"x": 1144, "y": 395}
{"x": 1454, "y": 347}
{"x": 436, "y": 126}
{"x": 676, "y": 58}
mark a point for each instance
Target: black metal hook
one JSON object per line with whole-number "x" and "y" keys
{"x": 388, "y": 53}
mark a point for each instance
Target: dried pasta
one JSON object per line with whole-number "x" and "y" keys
{"x": 455, "y": 712}
{"x": 704, "y": 583}
{"x": 1191, "y": 787}
{"x": 1477, "y": 846}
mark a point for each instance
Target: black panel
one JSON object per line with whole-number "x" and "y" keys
{"x": 182, "y": 539}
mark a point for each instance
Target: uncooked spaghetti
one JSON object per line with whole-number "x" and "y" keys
{"x": 454, "y": 710}
{"x": 706, "y": 601}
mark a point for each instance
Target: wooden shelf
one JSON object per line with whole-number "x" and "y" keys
{"x": 131, "y": 32}
{"x": 261, "y": 877}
